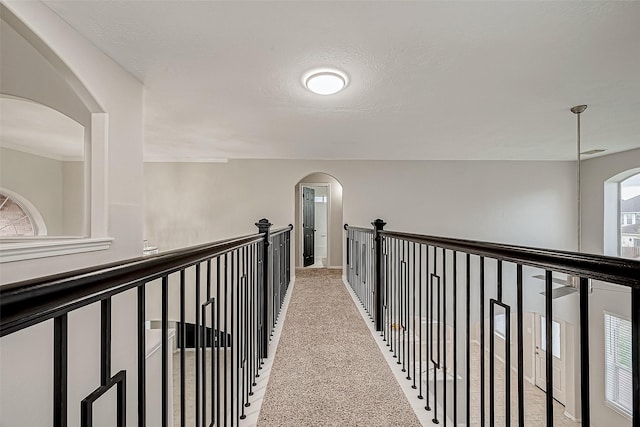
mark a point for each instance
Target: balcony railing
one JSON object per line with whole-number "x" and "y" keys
{"x": 239, "y": 286}
{"x": 445, "y": 309}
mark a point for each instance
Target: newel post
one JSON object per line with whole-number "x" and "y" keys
{"x": 378, "y": 275}
{"x": 264, "y": 226}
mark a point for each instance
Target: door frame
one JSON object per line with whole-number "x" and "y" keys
{"x": 300, "y": 216}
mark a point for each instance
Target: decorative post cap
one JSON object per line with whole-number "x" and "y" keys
{"x": 378, "y": 224}
{"x": 263, "y": 225}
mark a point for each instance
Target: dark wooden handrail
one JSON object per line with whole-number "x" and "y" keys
{"x": 28, "y": 302}
{"x": 361, "y": 229}
{"x": 621, "y": 271}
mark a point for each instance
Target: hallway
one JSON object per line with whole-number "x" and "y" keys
{"x": 328, "y": 369}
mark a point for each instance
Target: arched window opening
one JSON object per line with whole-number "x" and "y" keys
{"x": 630, "y": 217}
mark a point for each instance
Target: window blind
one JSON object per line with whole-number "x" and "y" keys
{"x": 617, "y": 349}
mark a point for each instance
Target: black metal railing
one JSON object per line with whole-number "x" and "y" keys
{"x": 430, "y": 298}
{"x": 239, "y": 285}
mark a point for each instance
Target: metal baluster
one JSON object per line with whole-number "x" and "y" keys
{"x": 492, "y": 345}
{"x": 196, "y": 337}
{"x": 226, "y": 338}
{"x": 242, "y": 335}
{"x": 436, "y": 363}
{"x": 204, "y": 347}
{"x": 425, "y": 325}
{"x": 468, "y": 338}
{"x": 455, "y": 338}
{"x": 254, "y": 318}
{"x": 214, "y": 349}
{"x": 427, "y": 328}
{"x": 233, "y": 334}
{"x": 635, "y": 353}
{"x": 218, "y": 340}
{"x": 549, "y": 344}
{"x": 183, "y": 338}
{"x": 165, "y": 350}
{"x": 387, "y": 287}
{"x": 482, "y": 367}
{"x": 246, "y": 365}
{"x": 441, "y": 326}
{"x": 142, "y": 352}
{"x": 60, "y": 369}
{"x": 394, "y": 266}
{"x": 405, "y": 330}
{"x": 413, "y": 332}
{"x": 521, "y": 348}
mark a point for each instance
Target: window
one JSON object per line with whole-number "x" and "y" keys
{"x": 18, "y": 217}
{"x": 630, "y": 217}
{"x": 617, "y": 350}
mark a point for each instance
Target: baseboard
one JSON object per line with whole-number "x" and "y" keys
{"x": 571, "y": 417}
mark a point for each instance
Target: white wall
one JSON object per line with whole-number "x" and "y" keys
{"x": 26, "y": 73}
{"x": 190, "y": 203}
{"x": 120, "y": 96}
{"x": 605, "y": 297}
{"x": 73, "y": 198}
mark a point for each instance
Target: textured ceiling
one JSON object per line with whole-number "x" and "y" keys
{"x": 428, "y": 80}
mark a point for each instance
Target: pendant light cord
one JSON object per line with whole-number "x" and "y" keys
{"x": 577, "y": 110}
{"x": 579, "y": 191}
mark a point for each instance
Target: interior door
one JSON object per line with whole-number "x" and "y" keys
{"x": 308, "y": 224}
{"x": 541, "y": 358}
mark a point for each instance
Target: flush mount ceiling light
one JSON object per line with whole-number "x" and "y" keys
{"x": 325, "y": 82}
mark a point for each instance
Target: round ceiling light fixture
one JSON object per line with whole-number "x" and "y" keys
{"x": 325, "y": 82}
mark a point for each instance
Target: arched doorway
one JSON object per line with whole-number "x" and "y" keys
{"x": 318, "y": 228}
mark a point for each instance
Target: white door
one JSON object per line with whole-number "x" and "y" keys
{"x": 558, "y": 357}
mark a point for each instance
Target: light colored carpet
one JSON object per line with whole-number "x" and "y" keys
{"x": 328, "y": 370}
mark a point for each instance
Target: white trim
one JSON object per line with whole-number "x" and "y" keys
{"x": 618, "y": 409}
{"x": 571, "y": 417}
{"x": 178, "y": 159}
{"x": 96, "y": 194}
{"x": 301, "y": 216}
{"x": 23, "y": 249}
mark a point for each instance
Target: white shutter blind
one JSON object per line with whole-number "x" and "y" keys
{"x": 617, "y": 349}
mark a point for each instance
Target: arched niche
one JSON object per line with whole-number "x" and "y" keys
{"x": 32, "y": 73}
{"x": 333, "y": 191}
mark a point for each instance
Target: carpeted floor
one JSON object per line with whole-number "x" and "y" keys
{"x": 328, "y": 370}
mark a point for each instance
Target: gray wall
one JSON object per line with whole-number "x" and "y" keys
{"x": 54, "y": 187}
{"x": 37, "y": 179}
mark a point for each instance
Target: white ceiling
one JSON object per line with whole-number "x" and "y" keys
{"x": 428, "y": 80}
